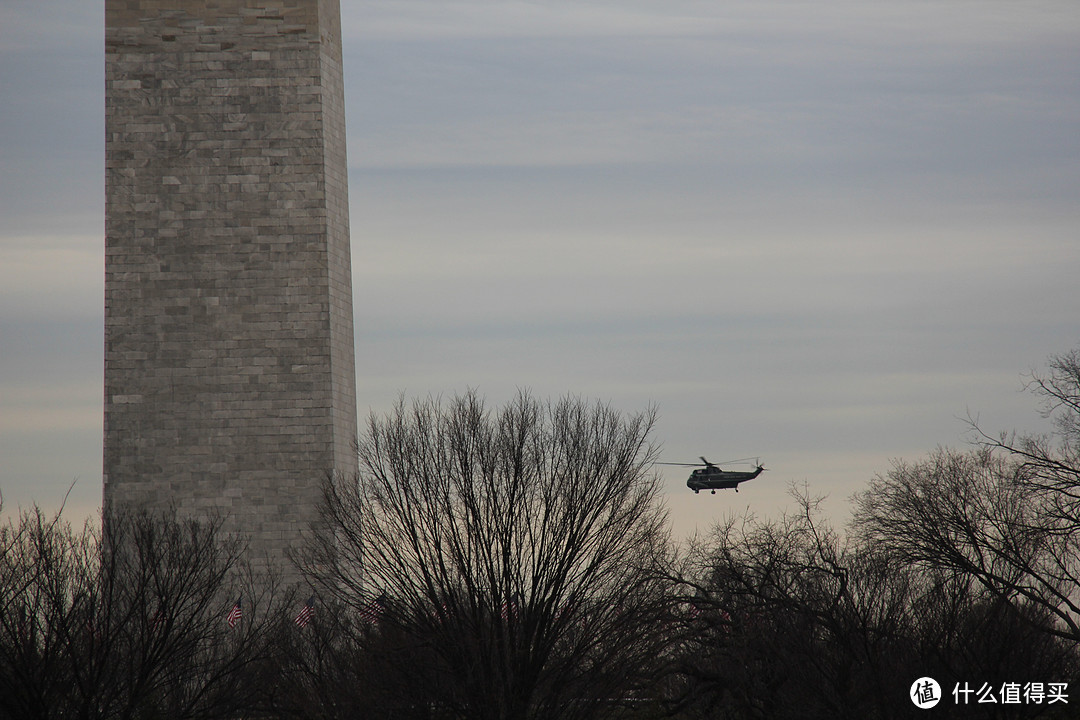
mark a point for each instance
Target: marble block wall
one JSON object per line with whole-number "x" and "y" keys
{"x": 229, "y": 369}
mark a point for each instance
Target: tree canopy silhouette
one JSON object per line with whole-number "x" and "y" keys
{"x": 520, "y": 546}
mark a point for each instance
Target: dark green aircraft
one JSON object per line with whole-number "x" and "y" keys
{"x": 708, "y": 476}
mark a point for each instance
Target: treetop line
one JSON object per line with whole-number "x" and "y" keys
{"x": 515, "y": 562}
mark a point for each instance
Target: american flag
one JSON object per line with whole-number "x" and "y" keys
{"x": 306, "y": 612}
{"x": 509, "y": 608}
{"x": 372, "y": 612}
{"x": 235, "y": 614}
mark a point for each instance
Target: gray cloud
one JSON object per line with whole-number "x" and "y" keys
{"x": 815, "y": 232}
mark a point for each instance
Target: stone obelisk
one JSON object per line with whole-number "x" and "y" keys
{"x": 229, "y": 369}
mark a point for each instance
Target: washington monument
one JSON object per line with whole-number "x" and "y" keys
{"x": 229, "y": 370}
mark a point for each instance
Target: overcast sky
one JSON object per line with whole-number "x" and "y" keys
{"x": 818, "y": 232}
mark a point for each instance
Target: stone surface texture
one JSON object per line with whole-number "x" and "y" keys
{"x": 229, "y": 370}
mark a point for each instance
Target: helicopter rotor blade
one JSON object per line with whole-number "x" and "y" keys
{"x": 706, "y": 463}
{"x": 757, "y": 461}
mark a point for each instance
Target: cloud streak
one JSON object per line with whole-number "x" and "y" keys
{"x": 818, "y": 232}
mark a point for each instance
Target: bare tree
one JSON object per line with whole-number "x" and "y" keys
{"x": 1005, "y": 513}
{"x": 127, "y": 620}
{"x": 520, "y": 547}
{"x": 344, "y": 666}
{"x": 973, "y": 512}
{"x": 794, "y": 620}
{"x": 38, "y": 598}
{"x": 1050, "y": 463}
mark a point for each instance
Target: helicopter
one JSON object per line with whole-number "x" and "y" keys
{"x": 707, "y": 476}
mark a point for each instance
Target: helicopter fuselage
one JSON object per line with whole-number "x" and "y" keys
{"x": 713, "y": 478}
